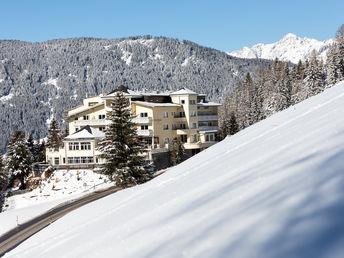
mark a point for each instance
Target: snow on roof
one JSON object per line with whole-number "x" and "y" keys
{"x": 85, "y": 108}
{"x": 208, "y": 104}
{"x": 184, "y": 91}
{"x": 152, "y": 104}
{"x": 156, "y": 93}
{"x": 86, "y": 132}
{"x": 130, "y": 93}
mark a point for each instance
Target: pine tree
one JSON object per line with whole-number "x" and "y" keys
{"x": 3, "y": 176}
{"x": 177, "y": 152}
{"x": 31, "y": 145}
{"x": 314, "y": 80}
{"x": 18, "y": 157}
{"x": 54, "y": 138}
{"x": 233, "y": 125}
{"x": 124, "y": 154}
{"x": 40, "y": 151}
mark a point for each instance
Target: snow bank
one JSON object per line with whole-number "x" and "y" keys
{"x": 62, "y": 186}
{"x": 273, "y": 190}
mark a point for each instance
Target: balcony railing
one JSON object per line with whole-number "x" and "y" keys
{"x": 208, "y": 118}
{"x": 208, "y": 128}
{"x": 144, "y": 132}
{"x": 90, "y": 122}
{"x": 142, "y": 120}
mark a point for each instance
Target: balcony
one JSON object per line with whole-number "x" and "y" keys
{"x": 202, "y": 118}
{"x": 90, "y": 122}
{"x": 208, "y": 128}
{"x": 145, "y": 133}
{"x": 142, "y": 120}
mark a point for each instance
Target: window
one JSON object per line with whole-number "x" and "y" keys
{"x": 92, "y": 103}
{"x": 165, "y": 127}
{"x": 181, "y": 114}
{"x": 193, "y": 125}
{"x": 174, "y": 126}
{"x": 64, "y": 160}
{"x": 182, "y": 101}
{"x": 173, "y": 114}
{"x": 57, "y": 161}
{"x": 143, "y": 114}
{"x": 101, "y": 116}
{"x": 165, "y": 114}
{"x": 85, "y": 146}
{"x": 209, "y": 137}
{"x": 183, "y": 138}
{"x": 193, "y": 113}
{"x": 182, "y": 126}
{"x": 195, "y": 138}
{"x": 166, "y": 140}
{"x": 73, "y": 146}
{"x": 102, "y": 128}
{"x": 75, "y": 118}
{"x": 192, "y": 102}
{"x": 86, "y": 117}
{"x": 144, "y": 127}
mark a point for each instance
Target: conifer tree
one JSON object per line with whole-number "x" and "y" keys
{"x": 18, "y": 157}
{"x": 233, "y": 125}
{"x": 40, "y": 151}
{"x": 314, "y": 80}
{"x": 124, "y": 154}
{"x": 31, "y": 145}
{"x": 178, "y": 151}
{"x": 3, "y": 175}
{"x": 54, "y": 140}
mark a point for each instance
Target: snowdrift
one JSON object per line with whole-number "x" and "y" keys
{"x": 273, "y": 190}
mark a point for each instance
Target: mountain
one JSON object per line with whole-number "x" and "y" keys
{"x": 41, "y": 80}
{"x": 290, "y": 48}
{"x": 274, "y": 189}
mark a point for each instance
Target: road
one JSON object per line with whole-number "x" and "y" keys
{"x": 19, "y": 234}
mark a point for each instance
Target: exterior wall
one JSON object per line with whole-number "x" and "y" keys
{"x": 64, "y": 153}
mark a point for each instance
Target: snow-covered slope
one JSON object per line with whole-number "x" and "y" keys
{"x": 273, "y": 190}
{"x": 290, "y": 48}
{"x": 62, "y": 186}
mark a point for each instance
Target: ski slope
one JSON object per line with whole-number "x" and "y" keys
{"x": 275, "y": 189}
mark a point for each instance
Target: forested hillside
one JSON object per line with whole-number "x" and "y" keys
{"x": 41, "y": 80}
{"x": 281, "y": 86}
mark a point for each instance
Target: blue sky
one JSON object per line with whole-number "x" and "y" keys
{"x": 224, "y": 25}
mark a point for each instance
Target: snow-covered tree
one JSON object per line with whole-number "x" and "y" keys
{"x": 54, "y": 140}
{"x": 177, "y": 152}
{"x": 314, "y": 81}
{"x": 124, "y": 154}
{"x": 18, "y": 157}
{"x": 3, "y": 175}
{"x": 335, "y": 59}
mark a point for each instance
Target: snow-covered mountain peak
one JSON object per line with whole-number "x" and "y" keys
{"x": 289, "y": 48}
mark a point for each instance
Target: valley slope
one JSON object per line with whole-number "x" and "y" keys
{"x": 274, "y": 189}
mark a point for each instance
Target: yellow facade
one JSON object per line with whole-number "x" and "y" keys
{"x": 159, "y": 118}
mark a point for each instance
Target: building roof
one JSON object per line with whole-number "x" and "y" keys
{"x": 184, "y": 91}
{"x": 126, "y": 92}
{"x": 86, "y": 132}
{"x": 85, "y": 108}
{"x": 208, "y": 104}
{"x": 152, "y": 104}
